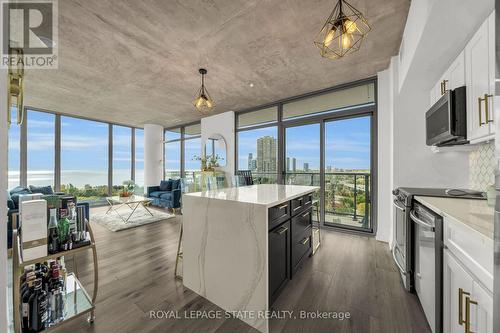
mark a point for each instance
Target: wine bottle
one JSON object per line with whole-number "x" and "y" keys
{"x": 37, "y": 307}
{"x": 53, "y": 232}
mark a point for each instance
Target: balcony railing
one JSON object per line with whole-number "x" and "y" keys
{"x": 347, "y": 195}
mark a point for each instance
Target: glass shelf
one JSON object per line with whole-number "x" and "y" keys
{"x": 77, "y": 301}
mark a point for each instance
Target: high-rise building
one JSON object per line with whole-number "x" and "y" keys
{"x": 294, "y": 164}
{"x": 288, "y": 164}
{"x": 250, "y": 160}
{"x": 306, "y": 166}
{"x": 266, "y": 154}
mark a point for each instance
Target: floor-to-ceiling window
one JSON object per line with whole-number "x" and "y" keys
{"x": 172, "y": 159}
{"x": 73, "y": 154}
{"x": 122, "y": 157}
{"x": 14, "y": 165}
{"x": 348, "y": 172}
{"x": 257, "y": 142}
{"x": 192, "y": 151}
{"x": 139, "y": 160}
{"x": 183, "y": 151}
{"x": 324, "y": 139}
{"x": 84, "y": 158}
{"x": 40, "y": 148}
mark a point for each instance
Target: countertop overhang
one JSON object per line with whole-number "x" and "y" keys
{"x": 476, "y": 214}
{"x": 263, "y": 194}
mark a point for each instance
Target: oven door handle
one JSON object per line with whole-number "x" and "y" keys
{"x": 398, "y": 206}
{"x": 420, "y": 221}
{"x": 403, "y": 271}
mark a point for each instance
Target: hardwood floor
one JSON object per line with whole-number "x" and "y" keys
{"x": 349, "y": 273}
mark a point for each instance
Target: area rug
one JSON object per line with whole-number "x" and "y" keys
{"x": 113, "y": 222}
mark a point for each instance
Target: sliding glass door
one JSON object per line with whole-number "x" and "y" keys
{"x": 303, "y": 158}
{"x": 347, "y": 166}
{"x": 334, "y": 154}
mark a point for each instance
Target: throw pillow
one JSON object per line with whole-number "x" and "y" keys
{"x": 166, "y": 185}
{"x": 15, "y": 192}
{"x": 176, "y": 184}
{"x": 41, "y": 189}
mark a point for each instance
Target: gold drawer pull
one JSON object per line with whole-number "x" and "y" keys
{"x": 461, "y": 294}
{"x": 479, "y": 100}
{"x": 468, "y": 302}
{"x": 304, "y": 241}
{"x": 306, "y": 214}
{"x": 443, "y": 87}
{"x": 282, "y": 206}
{"x": 487, "y": 108}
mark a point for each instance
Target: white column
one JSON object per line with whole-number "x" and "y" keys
{"x": 153, "y": 154}
{"x": 3, "y": 201}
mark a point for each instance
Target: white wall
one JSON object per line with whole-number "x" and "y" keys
{"x": 3, "y": 202}
{"x": 222, "y": 124}
{"x": 385, "y": 112}
{"x": 153, "y": 154}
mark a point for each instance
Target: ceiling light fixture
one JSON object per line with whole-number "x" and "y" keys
{"x": 203, "y": 103}
{"x": 343, "y": 32}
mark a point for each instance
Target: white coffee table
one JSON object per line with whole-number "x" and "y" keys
{"x": 132, "y": 202}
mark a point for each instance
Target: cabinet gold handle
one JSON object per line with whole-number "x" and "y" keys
{"x": 282, "y": 206}
{"x": 461, "y": 294}
{"x": 487, "y": 109}
{"x": 304, "y": 241}
{"x": 443, "y": 87}
{"x": 479, "y": 100}
{"x": 468, "y": 302}
{"x": 305, "y": 215}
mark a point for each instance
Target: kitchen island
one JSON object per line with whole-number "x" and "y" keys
{"x": 241, "y": 245}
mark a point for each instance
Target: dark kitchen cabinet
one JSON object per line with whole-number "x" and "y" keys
{"x": 289, "y": 241}
{"x": 279, "y": 259}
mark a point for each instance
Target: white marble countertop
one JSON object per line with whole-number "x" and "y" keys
{"x": 474, "y": 213}
{"x": 264, "y": 194}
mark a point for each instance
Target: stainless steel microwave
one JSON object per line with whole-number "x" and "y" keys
{"x": 446, "y": 120}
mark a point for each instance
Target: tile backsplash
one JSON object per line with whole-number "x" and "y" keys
{"x": 482, "y": 167}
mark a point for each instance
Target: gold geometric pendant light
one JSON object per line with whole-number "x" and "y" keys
{"x": 203, "y": 102}
{"x": 343, "y": 32}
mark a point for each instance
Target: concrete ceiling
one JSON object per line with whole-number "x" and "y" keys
{"x": 136, "y": 62}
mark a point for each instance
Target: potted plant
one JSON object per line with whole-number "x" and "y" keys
{"x": 128, "y": 188}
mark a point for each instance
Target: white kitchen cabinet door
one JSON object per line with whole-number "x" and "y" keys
{"x": 477, "y": 69}
{"x": 455, "y": 278}
{"x": 456, "y": 73}
{"x": 491, "y": 65}
{"x": 481, "y": 309}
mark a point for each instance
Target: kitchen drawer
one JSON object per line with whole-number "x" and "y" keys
{"x": 301, "y": 248}
{"x": 473, "y": 249}
{"x": 301, "y": 222}
{"x": 301, "y": 203}
{"x": 278, "y": 214}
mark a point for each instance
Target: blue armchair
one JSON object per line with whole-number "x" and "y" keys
{"x": 168, "y": 194}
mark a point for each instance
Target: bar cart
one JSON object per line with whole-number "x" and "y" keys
{"x": 77, "y": 301}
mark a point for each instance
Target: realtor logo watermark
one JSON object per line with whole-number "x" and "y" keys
{"x": 29, "y": 26}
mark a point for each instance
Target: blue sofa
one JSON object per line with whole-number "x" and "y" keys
{"x": 168, "y": 194}
{"x": 13, "y": 204}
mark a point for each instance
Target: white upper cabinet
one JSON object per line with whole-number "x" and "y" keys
{"x": 454, "y": 77}
{"x": 480, "y": 82}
